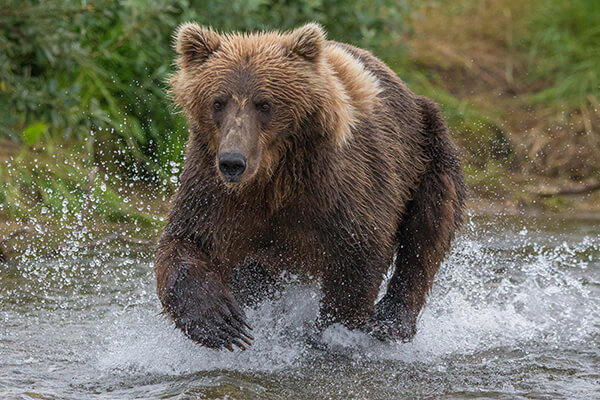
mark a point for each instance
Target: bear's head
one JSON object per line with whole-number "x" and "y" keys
{"x": 249, "y": 94}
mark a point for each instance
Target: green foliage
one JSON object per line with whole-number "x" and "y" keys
{"x": 564, "y": 49}
{"x": 31, "y": 134}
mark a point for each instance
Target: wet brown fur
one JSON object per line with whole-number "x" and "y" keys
{"x": 357, "y": 171}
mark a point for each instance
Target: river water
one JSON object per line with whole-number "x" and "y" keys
{"x": 514, "y": 313}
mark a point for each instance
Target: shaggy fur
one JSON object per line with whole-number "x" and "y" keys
{"x": 346, "y": 169}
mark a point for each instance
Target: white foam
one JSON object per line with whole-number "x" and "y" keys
{"x": 480, "y": 301}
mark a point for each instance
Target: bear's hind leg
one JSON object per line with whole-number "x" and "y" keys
{"x": 424, "y": 236}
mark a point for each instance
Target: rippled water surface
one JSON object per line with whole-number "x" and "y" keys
{"x": 514, "y": 313}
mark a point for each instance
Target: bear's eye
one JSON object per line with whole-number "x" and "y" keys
{"x": 218, "y": 105}
{"x": 263, "y": 107}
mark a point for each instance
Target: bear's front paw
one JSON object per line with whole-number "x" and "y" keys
{"x": 208, "y": 313}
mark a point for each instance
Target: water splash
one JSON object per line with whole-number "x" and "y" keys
{"x": 481, "y": 300}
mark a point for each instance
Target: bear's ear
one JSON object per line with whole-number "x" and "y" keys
{"x": 307, "y": 41}
{"x": 195, "y": 44}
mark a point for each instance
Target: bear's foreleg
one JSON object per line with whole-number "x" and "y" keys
{"x": 195, "y": 298}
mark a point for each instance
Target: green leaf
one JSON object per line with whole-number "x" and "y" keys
{"x": 33, "y": 133}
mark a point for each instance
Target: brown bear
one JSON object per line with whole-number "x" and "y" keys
{"x": 310, "y": 156}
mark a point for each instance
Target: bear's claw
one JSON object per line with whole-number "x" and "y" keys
{"x": 216, "y": 333}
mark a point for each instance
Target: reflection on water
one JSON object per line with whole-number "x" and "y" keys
{"x": 515, "y": 312}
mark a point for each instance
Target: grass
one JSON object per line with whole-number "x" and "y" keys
{"x": 563, "y": 45}
{"x": 527, "y": 71}
{"x": 49, "y": 189}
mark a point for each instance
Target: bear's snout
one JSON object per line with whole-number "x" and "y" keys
{"x": 232, "y": 165}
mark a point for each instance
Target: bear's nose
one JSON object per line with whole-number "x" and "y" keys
{"x": 232, "y": 165}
